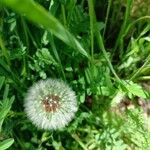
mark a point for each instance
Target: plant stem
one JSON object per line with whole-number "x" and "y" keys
{"x": 91, "y": 14}
{"x": 144, "y": 78}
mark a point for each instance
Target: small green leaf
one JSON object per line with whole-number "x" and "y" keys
{"x": 82, "y": 97}
{"x": 6, "y": 143}
{"x": 57, "y": 145}
{"x": 45, "y": 56}
{"x": 136, "y": 89}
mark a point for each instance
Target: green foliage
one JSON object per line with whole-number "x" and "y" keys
{"x": 38, "y": 15}
{"x": 103, "y": 55}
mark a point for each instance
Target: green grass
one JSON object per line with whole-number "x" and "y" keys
{"x": 101, "y": 49}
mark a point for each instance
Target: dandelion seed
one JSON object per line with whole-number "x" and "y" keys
{"x": 50, "y": 104}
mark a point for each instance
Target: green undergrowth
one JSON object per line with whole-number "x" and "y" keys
{"x": 100, "y": 48}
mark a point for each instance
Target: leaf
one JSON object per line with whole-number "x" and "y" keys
{"x": 6, "y": 143}
{"x": 82, "y": 97}
{"x": 58, "y": 145}
{"x": 45, "y": 56}
{"x": 136, "y": 89}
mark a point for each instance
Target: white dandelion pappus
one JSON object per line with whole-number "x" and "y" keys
{"x": 50, "y": 104}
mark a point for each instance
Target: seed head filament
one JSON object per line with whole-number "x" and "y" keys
{"x": 51, "y": 103}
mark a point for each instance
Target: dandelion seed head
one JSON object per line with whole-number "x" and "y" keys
{"x": 50, "y": 104}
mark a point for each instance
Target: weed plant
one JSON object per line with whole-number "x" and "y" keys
{"x": 101, "y": 49}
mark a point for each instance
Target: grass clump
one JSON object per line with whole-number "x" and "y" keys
{"x": 100, "y": 49}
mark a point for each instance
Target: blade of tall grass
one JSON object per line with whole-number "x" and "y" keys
{"x": 144, "y": 78}
{"x": 2, "y": 79}
{"x": 99, "y": 38}
{"x": 131, "y": 25}
{"x": 101, "y": 46}
{"x": 119, "y": 41}
{"x": 37, "y": 14}
{"x": 138, "y": 72}
{"x": 64, "y": 15}
{"x": 91, "y": 14}
{"x": 57, "y": 55}
{"x": 107, "y": 15}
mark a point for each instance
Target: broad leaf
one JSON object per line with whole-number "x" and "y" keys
{"x": 6, "y": 144}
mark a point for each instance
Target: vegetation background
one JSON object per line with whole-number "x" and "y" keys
{"x": 100, "y": 48}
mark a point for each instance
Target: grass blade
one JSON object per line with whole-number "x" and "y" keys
{"x": 4, "y": 109}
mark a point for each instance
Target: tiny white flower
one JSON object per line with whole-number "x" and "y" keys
{"x": 50, "y": 104}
